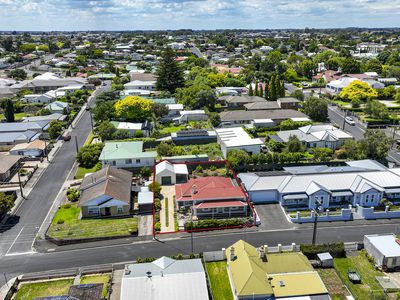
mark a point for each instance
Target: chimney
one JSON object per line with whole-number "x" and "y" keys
{"x": 232, "y": 253}
{"x": 261, "y": 252}
{"x": 194, "y": 189}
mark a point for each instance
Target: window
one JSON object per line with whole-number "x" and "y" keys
{"x": 93, "y": 210}
{"x": 128, "y": 161}
{"x": 138, "y": 161}
{"x": 372, "y": 197}
{"x": 120, "y": 209}
{"x": 113, "y": 163}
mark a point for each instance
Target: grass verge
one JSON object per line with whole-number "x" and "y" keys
{"x": 166, "y": 212}
{"x": 219, "y": 280}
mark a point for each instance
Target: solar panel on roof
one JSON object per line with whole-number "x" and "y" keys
{"x": 194, "y": 132}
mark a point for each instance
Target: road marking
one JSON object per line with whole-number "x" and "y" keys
{"x": 20, "y": 253}
{"x": 14, "y": 240}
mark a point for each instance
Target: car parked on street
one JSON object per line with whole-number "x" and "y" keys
{"x": 350, "y": 121}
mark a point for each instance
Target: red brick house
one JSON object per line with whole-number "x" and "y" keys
{"x": 212, "y": 197}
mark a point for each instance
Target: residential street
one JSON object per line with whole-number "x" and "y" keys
{"x": 110, "y": 253}
{"x": 30, "y": 215}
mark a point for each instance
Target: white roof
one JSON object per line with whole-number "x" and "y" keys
{"x": 128, "y": 125}
{"x": 175, "y": 106}
{"x": 236, "y": 136}
{"x": 165, "y": 279}
{"x": 342, "y": 82}
{"x": 47, "y": 76}
{"x": 192, "y": 112}
{"x": 386, "y": 244}
{"x": 145, "y": 197}
{"x": 304, "y": 119}
{"x": 176, "y": 168}
{"x": 139, "y": 83}
{"x": 263, "y": 121}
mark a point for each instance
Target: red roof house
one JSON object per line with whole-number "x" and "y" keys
{"x": 212, "y": 196}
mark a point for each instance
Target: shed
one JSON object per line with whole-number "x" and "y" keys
{"x": 145, "y": 201}
{"x": 385, "y": 250}
{"x": 326, "y": 259}
{"x": 170, "y": 173}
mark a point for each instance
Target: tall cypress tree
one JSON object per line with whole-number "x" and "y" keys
{"x": 256, "y": 89}
{"x": 9, "y": 111}
{"x": 282, "y": 88}
{"x": 272, "y": 89}
{"x": 266, "y": 90}
{"x": 278, "y": 87}
{"x": 251, "y": 90}
{"x": 260, "y": 91}
{"x": 170, "y": 74}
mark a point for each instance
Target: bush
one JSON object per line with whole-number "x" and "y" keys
{"x": 156, "y": 189}
{"x": 335, "y": 249}
{"x": 213, "y": 223}
{"x": 88, "y": 156}
{"x": 157, "y": 226}
{"x": 157, "y": 204}
{"x": 66, "y": 206}
{"x": 60, "y": 221}
{"x": 72, "y": 194}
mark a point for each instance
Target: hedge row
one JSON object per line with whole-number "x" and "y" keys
{"x": 335, "y": 249}
{"x": 213, "y": 223}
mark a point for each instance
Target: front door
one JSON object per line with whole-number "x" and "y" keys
{"x": 107, "y": 211}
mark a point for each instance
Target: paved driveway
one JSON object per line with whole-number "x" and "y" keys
{"x": 145, "y": 226}
{"x": 272, "y": 217}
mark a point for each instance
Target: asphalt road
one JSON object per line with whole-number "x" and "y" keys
{"x": 32, "y": 212}
{"x": 14, "y": 265}
{"x": 337, "y": 116}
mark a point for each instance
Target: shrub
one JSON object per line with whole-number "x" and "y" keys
{"x": 157, "y": 204}
{"x": 88, "y": 156}
{"x": 213, "y": 223}
{"x": 156, "y": 189}
{"x": 72, "y": 194}
{"x": 335, "y": 249}
{"x": 66, "y": 206}
{"x": 60, "y": 221}
{"x": 157, "y": 226}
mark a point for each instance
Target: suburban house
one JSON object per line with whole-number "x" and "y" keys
{"x": 35, "y": 148}
{"x": 247, "y": 116}
{"x": 126, "y": 155}
{"x": 58, "y": 107}
{"x": 385, "y": 250}
{"x": 41, "y": 98}
{"x": 140, "y": 85}
{"x": 238, "y": 139}
{"x": 281, "y": 103}
{"x": 239, "y": 101}
{"x": 9, "y": 164}
{"x": 165, "y": 279}
{"x": 255, "y": 274}
{"x": 186, "y": 116}
{"x": 194, "y": 136}
{"x": 324, "y": 136}
{"x": 9, "y": 139}
{"x": 144, "y": 127}
{"x": 106, "y": 193}
{"x": 362, "y": 183}
{"x": 171, "y": 173}
{"x": 212, "y": 197}
{"x": 46, "y": 118}
{"x": 174, "y": 109}
{"x": 21, "y": 127}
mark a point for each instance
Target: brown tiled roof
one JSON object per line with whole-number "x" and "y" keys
{"x": 110, "y": 181}
{"x": 8, "y": 161}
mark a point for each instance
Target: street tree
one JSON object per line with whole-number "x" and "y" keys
{"x": 316, "y": 109}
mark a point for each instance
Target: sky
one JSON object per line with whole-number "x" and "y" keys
{"x": 195, "y": 14}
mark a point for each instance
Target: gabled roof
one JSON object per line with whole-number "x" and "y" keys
{"x": 113, "y": 182}
{"x": 7, "y": 162}
{"x": 125, "y": 150}
{"x": 208, "y": 188}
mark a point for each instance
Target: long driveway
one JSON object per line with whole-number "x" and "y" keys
{"x": 32, "y": 212}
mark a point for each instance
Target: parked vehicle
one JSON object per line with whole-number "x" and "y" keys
{"x": 350, "y": 121}
{"x": 66, "y": 137}
{"x": 354, "y": 277}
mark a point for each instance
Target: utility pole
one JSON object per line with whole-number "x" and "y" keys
{"x": 344, "y": 120}
{"x": 76, "y": 144}
{"x": 45, "y": 150}
{"x": 318, "y": 205}
{"x": 20, "y": 185}
{"x": 91, "y": 118}
{"x": 191, "y": 228}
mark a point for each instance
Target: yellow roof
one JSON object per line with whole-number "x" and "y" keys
{"x": 250, "y": 273}
{"x": 297, "y": 284}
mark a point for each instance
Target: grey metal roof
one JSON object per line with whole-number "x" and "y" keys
{"x": 22, "y": 126}
{"x": 248, "y": 115}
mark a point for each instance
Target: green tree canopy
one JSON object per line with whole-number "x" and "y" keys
{"x": 170, "y": 74}
{"x": 358, "y": 91}
{"x": 316, "y": 109}
{"x": 133, "y": 108}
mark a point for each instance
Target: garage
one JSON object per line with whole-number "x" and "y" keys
{"x": 166, "y": 180}
{"x": 264, "y": 196}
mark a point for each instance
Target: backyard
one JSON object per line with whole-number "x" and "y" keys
{"x": 29, "y": 291}
{"x": 34, "y": 290}
{"x": 369, "y": 287}
{"x": 335, "y": 286}
{"x": 67, "y": 225}
{"x": 219, "y": 280}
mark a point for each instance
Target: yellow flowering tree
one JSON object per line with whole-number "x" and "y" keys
{"x": 358, "y": 91}
{"x": 133, "y": 108}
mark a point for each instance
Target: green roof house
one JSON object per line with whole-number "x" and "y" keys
{"x": 127, "y": 155}
{"x": 254, "y": 274}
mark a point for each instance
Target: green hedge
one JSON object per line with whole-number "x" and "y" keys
{"x": 335, "y": 249}
{"x": 213, "y": 223}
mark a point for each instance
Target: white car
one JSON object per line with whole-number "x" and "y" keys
{"x": 350, "y": 121}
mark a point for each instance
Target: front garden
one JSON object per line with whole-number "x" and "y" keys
{"x": 66, "y": 225}
{"x": 218, "y": 276}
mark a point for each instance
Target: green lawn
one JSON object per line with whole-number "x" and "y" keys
{"x": 360, "y": 264}
{"x": 17, "y": 116}
{"x": 104, "y": 279}
{"x": 80, "y": 173}
{"x": 31, "y": 291}
{"x": 71, "y": 227}
{"x": 172, "y": 128}
{"x": 220, "y": 285}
